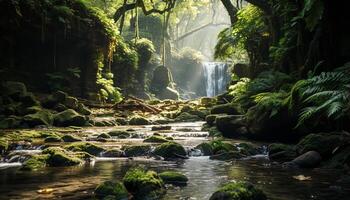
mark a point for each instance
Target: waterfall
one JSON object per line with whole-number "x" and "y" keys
{"x": 216, "y": 77}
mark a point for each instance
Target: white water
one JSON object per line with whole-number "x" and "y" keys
{"x": 216, "y": 77}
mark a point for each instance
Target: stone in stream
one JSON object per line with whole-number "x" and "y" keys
{"x": 71, "y": 138}
{"x": 85, "y": 147}
{"x": 230, "y": 125}
{"x": 34, "y": 163}
{"x": 58, "y": 157}
{"x": 104, "y": 136}
{"x": 281, "y": 152}
{"x": 139, "y": 150}
{"x": 156, "y": 139}
{"x": 53, "y": 139}
{"x": 228, "y": 109}
{"x": 309, "y": 159}
{"x": 238, "y": 191}
{"x": 143, "y": 184}
{"x": 174, "y": 178}
{"x": 247, "y": 149}
{"x": 111, "y": 190}
{"x": 42, "y": 117}
{"x": 113, "y": 153}
{"x": 121, "y": 134}
{"x": 158, "y": 128}
{"x": 171, "y": 150}
{"x": 226, "y": 156}
{"x": 139, "y": 121}
{"x": 205, "y": 148}
{"x": 187, "y": 117}
{"x": 69, "y": 118}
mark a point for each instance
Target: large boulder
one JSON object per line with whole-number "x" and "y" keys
{"x": 87, "y": 147}
{"x": 139, "y": 121}
{"x": 281, "y": 152}
{"x": 168, "y": 93}
{"x": 14, "y": 89}
{"x": 238, "y": 191}
{"x": 227, "y": 108}
{"x": 174, "y": 178}
{"x": 161, "y": 78}
{"x": 170, "y": 150}
{"x": 69, "y": 118}
{"x": 230, "y": 125}
{"x": 139, "y": 150}
{"x": 58, "y": 157}
{"x": 309, "y": 159}
{"x": 143, "y": 184}
{"x": 42, "y": 117}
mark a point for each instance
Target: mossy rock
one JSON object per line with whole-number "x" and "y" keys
{"x": 134, "y": 151}
{"x": 214, "y": 132}
{"x": 58, "y": 157}
{"x": 226, "y": 155}
{"x": 10, "y": 122}
{"x": 143, "y": 184}
{"x": 247, "y": 149}
{"x": 207, "y": 101}
{"x": 282, "y": 152}
{"x": 187, "y": 117}
{"x": 113, "y": 153}
{"x": 112, "y": 190}
{"x": 121, "y": 134}
{"x": 56, "y": 98}
{"x": 159, "y": 128}
{"x": 219, "y": 145}
{"x": 31, "y": 110}
{"x": 121, "y": 121}
{"x": 53, "y": 139}
{"x": 205, "y": 148}
{"x": 29, "y": 100}
{"x": 174, "y": 178}
{"x": 156, "y": 139}
{"x": 71, "y": 102}
{"x": 139, "y": 121}
{"x": 83, "y": 109}
{"x": 170, "y": 150}
{"x": 210, "y": 119}
{"x": 71, "y": 138}
{"x": 85, "y": 147}
{"x": 42, "y": 117}
{"x": 104, "y": 135}
{"x": 4, "y": 144}
{"x": 228, "y": 108}
{"x": 238, "y": 191}
{"x": 324, "y": 143}
{"x": 34, "y": 163}
{"x": 14, "y": 89}
{"x": 69, "y": 118}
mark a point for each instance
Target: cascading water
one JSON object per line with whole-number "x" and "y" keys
{"x": 216, "y": 77}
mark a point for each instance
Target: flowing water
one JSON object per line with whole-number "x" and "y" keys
{"x": 215, "y": 74}
{"x": 205, "y": 175}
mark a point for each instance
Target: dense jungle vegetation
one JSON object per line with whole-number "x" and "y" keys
{"x": 147, "y": 88}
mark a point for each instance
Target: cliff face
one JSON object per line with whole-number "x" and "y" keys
{"x": 52, "y": 44}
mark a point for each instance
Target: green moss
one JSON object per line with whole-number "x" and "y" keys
{"x": 219, "y": 145}
{"x": 170, "y": 150}
{"x": 3, "y": 145}
{"x": 69, "y": 118}
{"x": 53, "y": 139}
{"x": 143, "y": 184}
{"x": 42, "y": 117}
{"x": 205, "y": 148}
{"x": 133, "y": 151}
{"x": 119, "y": 134}
{"x": 117, "y": 191}
{"x": 85, "y": 147}
{"x": 247, "y": 149}
{"x": 104, "y": 135}
{"x": 156, "y": 139}
{"x": 71, "y": 138}
{"x": 322, "y": 143}
{"x": 224, "y": 109}
{"x": 34, "y": 163}
{"x": 172, "y": 177}
{"x": 238, "y": 191}
{"x": 227, "y": 156}
{"x": 139, "y": 121}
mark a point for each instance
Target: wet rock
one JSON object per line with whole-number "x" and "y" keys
{"x": 156, "y": 139}
{"x": 247, "y": 149}
{"x": 58, "y": 97}
{"x": 121, "y": 121}
{"x": 229, "y": 125}
{"x": 53, "y": 139}
{"x": 158, "y": 128}
{"x": 221, "y": 146}
{"x": 42, "y": 117}
{"x": 226, "y": 156}
{"x": 281, "y": 152}
{"x": 69, "y": 118}
{"x": 309, "y": 159}
{"x": 112, "y": 153}
{"x": 207, "y": 101}
{"x": 31, "y": 110}
{"x": 10, "y": 122}
{"x": 71, "y": 102}
{"x": 324, "y": 143}
{"x": 238, "y": 191}
{"x": 58, "y": 157}
{"x": 34, "y": 163}
{"x": 205, "y": 148}
{"x": 111, "y": 190}
{"x": 143, "y": 184}
{"x": 104, "y": 135}
{"x": 170, "y": 150}
{"x": 134, "y": 151}
{"x": 168, "y": 93}
{"x": 228, "y": 109}
{"x": 187, "y": 117}
{"x": 121, "y": 134}
{"x": 210, "y": 119}
{"x": 139, "y": 121}
{"x": 214, "y": 132}
{"x": 83, "y": 109}
{"x": 174, "y": 178}
{"x": 71, "y": 138}
{"x": 85, "y": 147}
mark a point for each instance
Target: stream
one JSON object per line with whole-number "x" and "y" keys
{"x": 205, "y": 175}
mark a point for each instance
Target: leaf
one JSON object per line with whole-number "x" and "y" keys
{"x": 302, "y": 178}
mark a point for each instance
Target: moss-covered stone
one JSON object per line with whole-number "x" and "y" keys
{"x": 170, "y": 150}
{"x": 71, "y": 138}
{"x": 86, "y": 147}
{"x": 71, "y": 102}
{"x": 134, "y": 151}
{"x": 205, "y": 148}
{"x": 139, "y": 121}
{"x": 69, "y": 118}
{"x": 156, "y": 139}
{"x": 226, "y": 155}
{"x": 58, "y": 157}
{"x": 113, "y": 153}
{"x": 53, "y": 139}
{"x": 83, "y": 109}
{"x": 324, "y": 143}
{"x": 14, "y": 89}
{"x": 210, "y": 119}
{"x": 247, "y": 149}
{"x": 214, "y": 132}
{"x": 42, "y": 117}
{"x": 121, "y": 134}
{"x": 187, "y": 117}
{"x": 238, "y": 191}
{"x": 228, "y": 108}
{"x": 172, "y": 177}
{"x": 34, "y": 163}
{"x": 219, "y": 145}
{"x": 113, "y": 190}
{"x": 143, "y": 184}
{"x": 282, "y": 152}
{"x": 104, "y": 135}
{"x": 10, "y": 122}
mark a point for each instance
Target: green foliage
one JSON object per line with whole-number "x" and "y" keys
{"x": 271, "y": 102}
{"x": 145, "y": 50}
{"x": 248, "y": 30}
{"x": 326, "y": 95}
{"x": 311, "y": 13}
